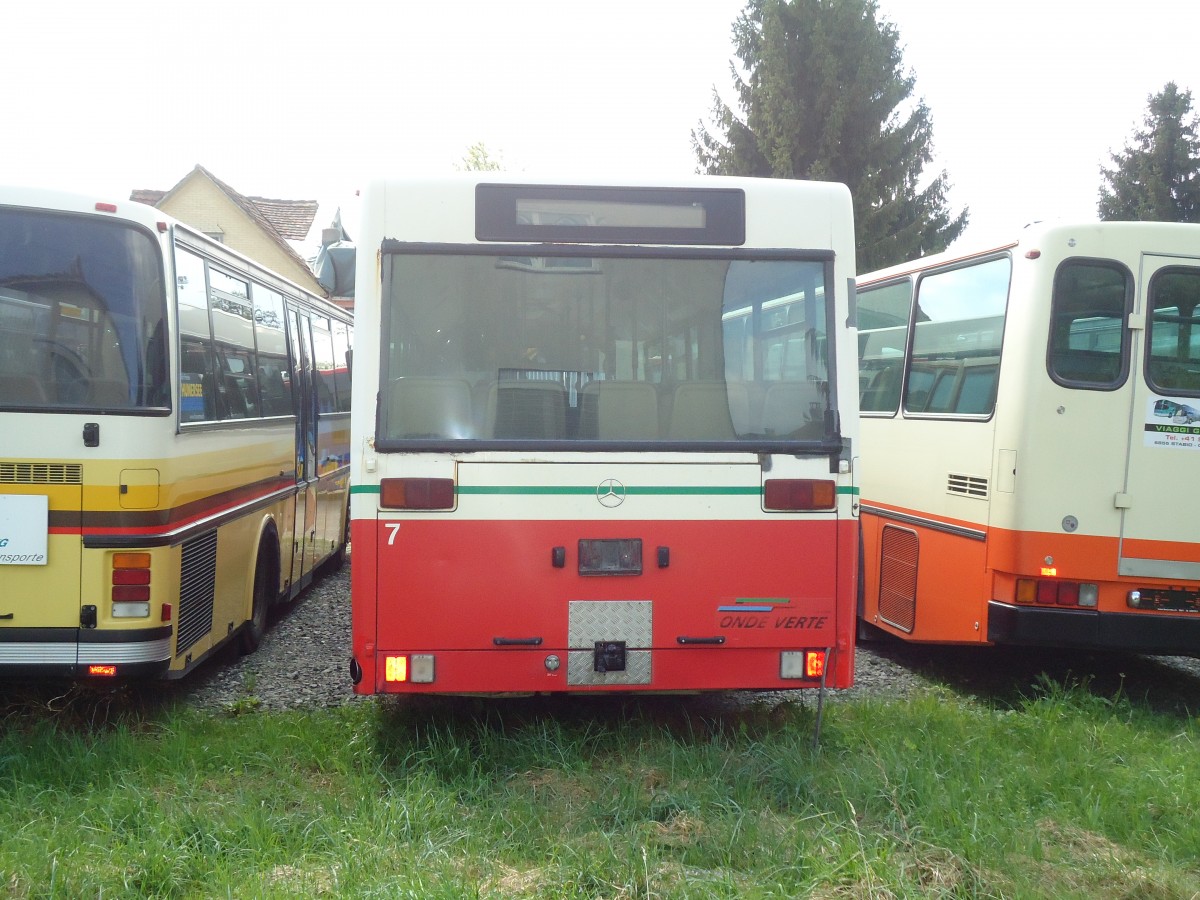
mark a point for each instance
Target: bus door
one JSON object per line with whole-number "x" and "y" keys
{"x": 1159, "y": 529}
{"x": 304, "y": 397}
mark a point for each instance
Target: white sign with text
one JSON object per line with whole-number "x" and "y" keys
{"x": 24, "y": 526}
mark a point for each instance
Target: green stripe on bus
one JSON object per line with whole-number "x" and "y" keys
{"x": 564, "y": 490}
{"x": 630, "y": 490}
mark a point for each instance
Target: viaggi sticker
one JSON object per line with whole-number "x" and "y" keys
{"x": 1172, "y": 422}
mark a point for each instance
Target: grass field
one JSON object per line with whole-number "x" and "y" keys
{"x": 1060, "y": 793}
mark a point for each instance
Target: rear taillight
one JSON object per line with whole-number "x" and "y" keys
{"x": 416, "y": 668}
{"x": 808, "y": 665}
{"x": 799, "y": 494}
{"x": 416, "y": 493}
{"x": 130, "y": 593}
{"x": 1052, "y": 592}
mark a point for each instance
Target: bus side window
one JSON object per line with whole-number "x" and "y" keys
{"x": 197, "y": 393}
{"x": 323, "y": 364}
{"x": 239, "y": 384}
{"x": 883, "y": 314}
{"x": 1174, "y": 363}
{"x": 276, "y": 398}
{"x": 1088, "y": 341}
{"x": 958, "y": 324}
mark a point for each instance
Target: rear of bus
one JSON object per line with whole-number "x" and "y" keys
{"x": 602, "y": 437}
{"x": 143, "y": 528}
{"x": 1031, "y": 443}
{"x": 83, "y": 377}
{"x": 1103, "y": 537}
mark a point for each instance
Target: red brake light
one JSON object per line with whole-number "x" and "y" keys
{"x": 1068, "y": 593}
{"x": 131, "y": 576}
{"x": 814, "y": 663}
{"x": 131, "y": 593}
{"x": 798, "y": 494}
{"x": 108, "y": 671}
{"x": 416, "y": 493}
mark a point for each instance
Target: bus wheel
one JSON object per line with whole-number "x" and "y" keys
{"x": 252, "y": 633}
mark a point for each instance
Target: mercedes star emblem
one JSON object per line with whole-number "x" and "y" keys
{"x": 610, "y": 493}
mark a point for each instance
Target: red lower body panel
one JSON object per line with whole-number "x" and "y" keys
{"x": 502, "y": 606}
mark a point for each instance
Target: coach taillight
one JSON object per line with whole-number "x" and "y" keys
{"x": 130, "y": 585}
{"x": 1051, "y": 592}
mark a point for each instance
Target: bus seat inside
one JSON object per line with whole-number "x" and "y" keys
{"x": 618, "y": 410}
{"x": 701, "y": 410}
{"x": 527, "y": 409}
{"x": 429, "y": 408}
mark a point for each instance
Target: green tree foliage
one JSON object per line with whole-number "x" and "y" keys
{"x": 822, "y": 95}
{"x": 1157, "y": 177}
{"x": 479, "y": 159}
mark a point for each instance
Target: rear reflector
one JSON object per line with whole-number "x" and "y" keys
{"x": 416, "y": 493}
{"x": 798, "y": 494}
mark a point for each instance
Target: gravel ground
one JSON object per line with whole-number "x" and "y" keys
{"x": 303, "y": 662}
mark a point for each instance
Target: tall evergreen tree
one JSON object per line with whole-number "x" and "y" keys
{"x": 1157, "y": 177}
{"x": 820, "y": 92}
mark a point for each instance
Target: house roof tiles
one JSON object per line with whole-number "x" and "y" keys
{"x": 280, "y": 220}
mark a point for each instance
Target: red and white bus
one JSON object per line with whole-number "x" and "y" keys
{"x": 602, "y": 437}
{"x": 174, "y": 453}
{"x": 1030, "y": 441}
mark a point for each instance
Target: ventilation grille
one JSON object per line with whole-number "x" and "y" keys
{"x": 41, "y": 473}
{"x": 898, "y": 578}
{"x": 197, "y": 588}
{"x": 967, "y": 486}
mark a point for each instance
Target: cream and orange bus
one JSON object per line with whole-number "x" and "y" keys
{"x": 602, "y": 436}
{"x": 173, "y": 440}
{"x": 1030, "y": 442}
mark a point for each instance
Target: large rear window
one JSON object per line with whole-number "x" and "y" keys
{"x": 82, "y": 314}
{"x": 603, "y": 345}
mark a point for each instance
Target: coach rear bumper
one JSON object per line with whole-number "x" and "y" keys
{"x": 1041, "y": 626}
{"x": 70, "y": 652}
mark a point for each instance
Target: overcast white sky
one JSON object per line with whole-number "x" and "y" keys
{"x": 304, "y": 100}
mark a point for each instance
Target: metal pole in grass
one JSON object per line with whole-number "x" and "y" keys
{"x": 821, "y": 698}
